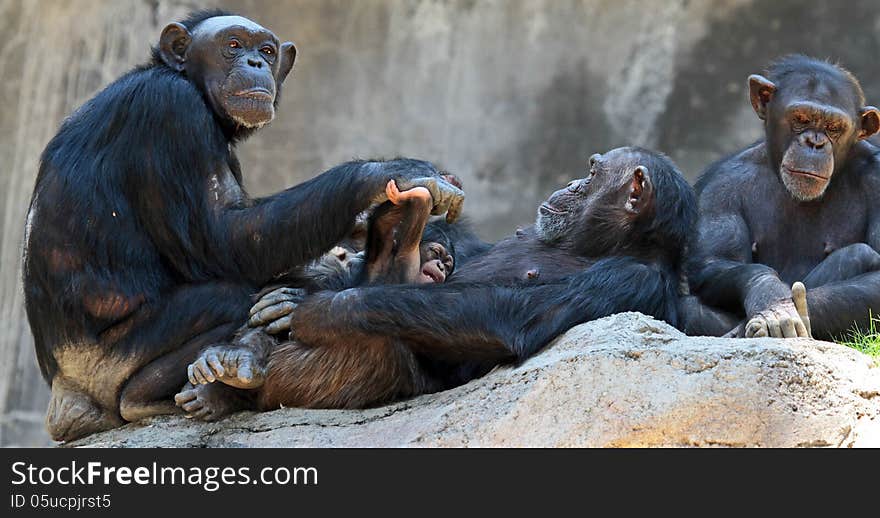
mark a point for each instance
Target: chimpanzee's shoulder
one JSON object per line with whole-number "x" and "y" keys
{"x": 865, "y": 163}
{"x": 729, "y": 173}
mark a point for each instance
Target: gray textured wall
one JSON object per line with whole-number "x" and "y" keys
{"x": 512, "y": 95}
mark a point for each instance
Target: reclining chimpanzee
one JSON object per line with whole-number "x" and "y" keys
{"x": 607, "y": 243}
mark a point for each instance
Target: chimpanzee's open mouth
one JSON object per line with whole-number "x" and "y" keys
{"x": 258, "y": 93}
{"x": 431, "y": 273}
{"x": 546, "y": 207}
{"x": 806, "y": 173}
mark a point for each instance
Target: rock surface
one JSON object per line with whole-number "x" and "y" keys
{"x": 622, "y": 381}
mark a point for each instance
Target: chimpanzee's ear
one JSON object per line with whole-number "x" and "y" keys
{"x": 640, "y": 190}
{"x": 173, "y": 43}
{"x": 288, "y": 57}
{"x": 869, "y": 122}
{"x": 761, "y": 90}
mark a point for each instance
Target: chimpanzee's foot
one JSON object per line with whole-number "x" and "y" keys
{"x": 236, "y": 366}
{"x": 72, "y": 414}
{"x": 398, "y": 197}
{"x": 211, "y": 402}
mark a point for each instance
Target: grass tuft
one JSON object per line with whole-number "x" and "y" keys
{"x": 866, "y": 341}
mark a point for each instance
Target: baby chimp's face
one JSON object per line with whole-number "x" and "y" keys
{"x": 437, "y": 263}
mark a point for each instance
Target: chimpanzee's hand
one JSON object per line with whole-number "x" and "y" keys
{"x": 447, "y": 197}
{"x": 274, "y": 309}
{"x": 787, "y": 318}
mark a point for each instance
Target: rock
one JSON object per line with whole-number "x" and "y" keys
{"x": 622, "y": 381}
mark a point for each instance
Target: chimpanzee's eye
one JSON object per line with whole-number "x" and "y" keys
{"x": 234, "y": 44}
{"x": 801, "y": 118}
{"x": 267, "y": 50}
{"x": 834, "y": 127}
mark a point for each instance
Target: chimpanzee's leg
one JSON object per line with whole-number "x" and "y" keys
{"x": 191, "y": 320}
{"x": 844, "y": 264}
{"x": 394, "y": 235}
{"x": 843, "y": 291}
{"x": 352, "y": 373}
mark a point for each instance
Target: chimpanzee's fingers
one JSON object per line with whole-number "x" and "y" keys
{"x": 279, "y": 325}
{"x": 276, "y": 296}
{"x": 787, "y": 324}
{"x": 215, "y": 364}
{"x": 245, "y": 372}
{"x": 198, "y": 375}
{"x": 799, "y": 296}
{"x": 455, "y": 208}
{"x": 271, "y": 313}
{"x": 756, "y": 327}
{"x": 801, "y": 329}
{"x": 773, "y": 327}
{"x": 190, "y": 373}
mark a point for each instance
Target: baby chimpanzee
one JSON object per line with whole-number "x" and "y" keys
{"x": 395, "y": 253}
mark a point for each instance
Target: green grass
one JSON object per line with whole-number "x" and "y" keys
{"x": 866, "y": 341}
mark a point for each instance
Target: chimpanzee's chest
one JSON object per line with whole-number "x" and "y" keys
{"x": 794, "y": 237}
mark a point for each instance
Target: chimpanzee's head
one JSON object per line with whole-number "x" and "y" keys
{"x": 436, "y": 262}
{"x": 813, "y": 113}
{"x": 238, "y": 64}
{"x": 634, "y": 201}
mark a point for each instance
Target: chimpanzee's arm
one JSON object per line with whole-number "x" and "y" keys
{"x": 301, "y": 223}
{"x": 721, "y": 270}
{"x": 460, "y": 322}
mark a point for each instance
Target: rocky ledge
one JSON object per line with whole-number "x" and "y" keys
{"x": 622, "y": 381}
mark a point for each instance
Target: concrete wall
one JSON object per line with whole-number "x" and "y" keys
{"x": 512, "y": 95}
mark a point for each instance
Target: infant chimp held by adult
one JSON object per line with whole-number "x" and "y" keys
{"x": 395, "y": 252}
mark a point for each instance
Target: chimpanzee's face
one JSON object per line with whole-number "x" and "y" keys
{"x": 436, "y": 262}
{"x": 811, "y": 125}
{"x": 616, "y": 191}
{"x": 237, "y": 63}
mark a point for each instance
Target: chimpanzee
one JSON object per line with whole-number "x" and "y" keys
{"x": 607, "y": 243}
{"x": 798, "y": 205}
{"x": 141, "y": 247}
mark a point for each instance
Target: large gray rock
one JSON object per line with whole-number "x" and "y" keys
{"x": 625, "y": 380}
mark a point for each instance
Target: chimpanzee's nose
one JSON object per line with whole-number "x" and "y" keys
{"x": 441, "y": 266}
{"x": 256, "y": 63}
{"x": 814, "y": 139}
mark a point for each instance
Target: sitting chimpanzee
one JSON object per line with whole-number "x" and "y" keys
{"x": 799, "y": 205}
{"x": 141, "y": 246}
{"x": 397, "y": 250}
{"x": 607, "y": 243}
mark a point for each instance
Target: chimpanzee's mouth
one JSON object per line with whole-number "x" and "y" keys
{"x": 546, "y": 207}
{"x": 430, "y": 273}
{"x": 806, "y": 173}
{"x": 257, "y": 93}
